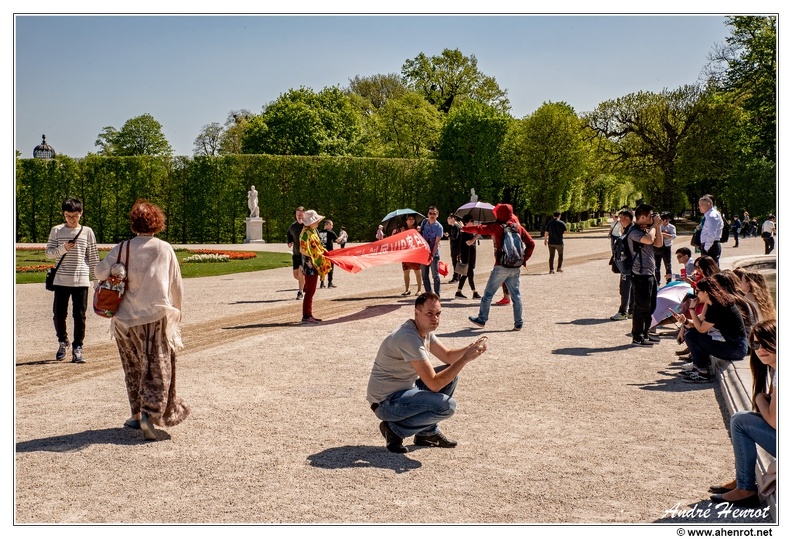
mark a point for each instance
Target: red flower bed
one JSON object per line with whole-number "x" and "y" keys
{"x": 232, "y": 255}
{"x": 34, "y": 269}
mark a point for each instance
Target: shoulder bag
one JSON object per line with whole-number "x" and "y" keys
{"x": 108, "y": 295}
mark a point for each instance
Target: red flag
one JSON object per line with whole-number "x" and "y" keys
{"x": 407, "y": 246}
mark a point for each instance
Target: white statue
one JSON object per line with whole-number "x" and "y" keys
{"x": 253, "y": 201}
{"x": 473, "y": 195}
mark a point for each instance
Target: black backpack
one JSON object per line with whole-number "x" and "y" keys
{"x": 623, "y": 257}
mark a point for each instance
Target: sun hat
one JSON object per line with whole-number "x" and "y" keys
{"x": 310, "y": 217}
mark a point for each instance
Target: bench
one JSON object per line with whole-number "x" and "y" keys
{"x": 736, "y": 384}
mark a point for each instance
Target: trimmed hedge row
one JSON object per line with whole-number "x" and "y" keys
{"x": 205, "y": 198}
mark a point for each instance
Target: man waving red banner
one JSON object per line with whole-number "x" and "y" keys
{"x": 407, "y": 246}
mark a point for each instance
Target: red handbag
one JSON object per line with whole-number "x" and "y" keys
{"x": 107, "y": 297}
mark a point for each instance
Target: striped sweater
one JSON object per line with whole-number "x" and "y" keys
{"x": 79, "y": 263}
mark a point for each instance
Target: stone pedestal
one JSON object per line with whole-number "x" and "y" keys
{"x": 253, "y": 230}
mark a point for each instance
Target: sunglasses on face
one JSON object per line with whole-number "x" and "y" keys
{"x": 756, "y": 345}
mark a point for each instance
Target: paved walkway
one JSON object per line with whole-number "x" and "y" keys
{"x": 563, "y": 422}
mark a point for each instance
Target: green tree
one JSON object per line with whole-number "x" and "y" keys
{"x": 746, "y": 68}
{"x": 208, "y": 140}
{"x": 409, "y": 126}
{"x": 141, "y": 135}
{"x": 642, "y": 133}
{"x": 451, "y": 78}
{"x": 233, "y": 130}
{"x": 546, "y": 155}
{"x": 377, "y": 89}
{"x": 472, "y": 137}
{"x": 302, "y": 122}
{"x": 105, "y": 141}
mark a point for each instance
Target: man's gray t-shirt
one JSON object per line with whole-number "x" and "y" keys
{"x": 393, "y": 370}
{"x": 643, "y": 253}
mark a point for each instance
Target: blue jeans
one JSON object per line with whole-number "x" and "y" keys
{"x": 417, "y": 410}
{"x": 747, "y": 430}
{"x": 701, "y": 345}
{"x": 435, "y": 275}
{"x": 500, "y": 275}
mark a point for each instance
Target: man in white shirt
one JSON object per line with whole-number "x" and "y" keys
{"x": 768, "y": 231}
{"x": 713, "y": 226}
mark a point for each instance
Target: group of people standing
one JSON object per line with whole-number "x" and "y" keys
{"x": 731, "y": 315}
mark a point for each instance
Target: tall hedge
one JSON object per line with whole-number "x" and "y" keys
{"x": 205, "y": 198}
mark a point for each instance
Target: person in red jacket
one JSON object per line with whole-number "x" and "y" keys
{"x": 500, "y": 274}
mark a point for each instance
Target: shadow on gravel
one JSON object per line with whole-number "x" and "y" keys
{"x": 586, "y": 321}
{"x": 673, "y": 383}
{"x": 70, "y": 443}
{"x": 589, "y": 351}
{"x": 262, "y": 301}
{"x": 369, "y": 312}
{"x": 265, "y": 325}
{"x": 362, "y": 456}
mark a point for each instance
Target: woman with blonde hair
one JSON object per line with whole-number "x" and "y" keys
{"x": 146, "y": 326}
{"x": 754, "y": 285}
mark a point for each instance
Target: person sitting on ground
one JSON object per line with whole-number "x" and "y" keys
{"x": 406, "y": 393}
{"x": 722, "y": 312}
{"x": 756, "y": 427}
{"x": 684, "y": 257}
{"x": 467, "y": 255}
{"x": 754, "y": 285}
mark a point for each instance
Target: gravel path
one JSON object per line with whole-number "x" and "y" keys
{"x": 563, "y": 422}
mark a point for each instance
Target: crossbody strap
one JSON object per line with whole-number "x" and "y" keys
{"x": 67, "y": 252}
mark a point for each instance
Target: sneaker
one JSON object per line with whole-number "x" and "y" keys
{"x": 331, "y": 285}
{"x": 688, "y": 366}
{"x": 653, "y": 338}
{"x": 310, "y": 320}
{"x": 476, "y": 321}
{"x": 77, "y": 356}
{"x": 688, "y": 372}
{"x": 437, "y": 440}
{"x": 299, "y": 294}
{"x": 476, "y": 295}
{"x": 551, "y": 271}
{"x": 629, "y": 316}
{"x": 641, "y": 342}
{"x": 503, "y": 301}
{"x": 60, "y": 355}
{"x": 684, "y": 352}
{"x": 619, "y": 316}
{"x": 518, "y": 327}
{"x": 559, "y": 270}
{"x": 393, "y": 442}
{"x": 698, "y": 378}
{"x": 460, "y": 295}
{"x": 321, "y": 285}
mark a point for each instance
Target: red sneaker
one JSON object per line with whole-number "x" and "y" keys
{"x": 503, "y": 301}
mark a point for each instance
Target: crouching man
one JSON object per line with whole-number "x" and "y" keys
{"x": 406, "y": 393}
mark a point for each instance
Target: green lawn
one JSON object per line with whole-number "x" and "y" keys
{"x": 263, "y": 261}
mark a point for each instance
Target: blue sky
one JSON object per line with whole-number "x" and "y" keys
{"x": 77, "y": 74}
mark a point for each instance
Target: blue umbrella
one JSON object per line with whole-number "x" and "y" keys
{"x": 396, "y": 218}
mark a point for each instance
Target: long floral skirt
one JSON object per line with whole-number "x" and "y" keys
{"x": 149, "y": 363}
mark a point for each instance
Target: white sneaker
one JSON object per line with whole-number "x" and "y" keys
{"x": 688, "y": 366}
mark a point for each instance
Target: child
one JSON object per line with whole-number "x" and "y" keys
{"x": 328, "y": 237}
